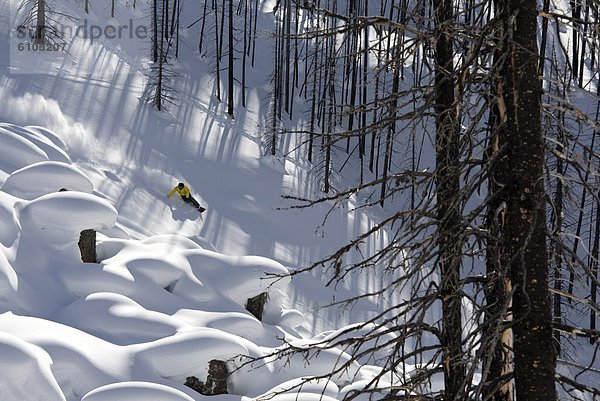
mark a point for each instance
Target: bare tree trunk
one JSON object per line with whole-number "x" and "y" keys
{"x": 595, "y": 257}
{"x": 577, "y": 236}
{"x": 546, "y": 8}
{"x": 177, "y": 30}
{"x": 174, "y": 14}
{"x": 256, "y": 4}
{"x": 230, "y": 80}
{"x": 40, "y": 29}
{"x": 256, "y": 305}
{"x": 576, "y": 19}
{"x": 313, "y": 102}
{"x": 276, "y": 91}
{"x": 166, "y": 19}
{"x": 558, "y": 226}
{"x": 222, "y": 29}
{"x": 155, "y": 31}
{"x": 364, "y": 91}
{"x": 244, "y": 53}
{"x": 287, "y": 21}
{"x": 376, "y": 102}
{"x": 498, "y": 361}
{"x": 158, "y": 99}
{"x": 524, "y": 196}
{"x": 584, "y": 28}
{"x": 594, "y": 267}
{"x": 329, "y": 116}
{"x": 87, "y": 246}
{"x": 217, "y": 49}
{"x": 387, "y": 158}
{"x": 203, "y": 26}
{"x": 447, "y": 177}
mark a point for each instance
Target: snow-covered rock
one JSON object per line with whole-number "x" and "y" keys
{"x": 56, "y": 220}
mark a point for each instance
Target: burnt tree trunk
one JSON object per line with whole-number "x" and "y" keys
{"x": 498, "y": 337}
{"x": 256, "y": 305}
{"x": 154, "y": 31}
{"x": 216, "y": 382}
{"x": 40, "y": 29}
{"x": 230, "y": 78}
{"x": 447, "y": 177}
{"x": 524, "y": 233}
{"x": 87, "y": 246}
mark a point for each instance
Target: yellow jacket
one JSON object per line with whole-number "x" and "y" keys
{"x": 184, "y": 192}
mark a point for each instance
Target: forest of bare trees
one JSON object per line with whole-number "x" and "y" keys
{"x": 469, "y": 112}
{"x": 475, "y": 123}
{"x": 471, "y": 120}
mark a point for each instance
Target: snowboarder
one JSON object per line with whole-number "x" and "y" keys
{"x": 184, "y": 192}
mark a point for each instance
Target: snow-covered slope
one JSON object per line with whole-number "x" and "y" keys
{"x": 169, "y": 291}
{"x": 93, "y": 99}
{"x": 149, "y": 314}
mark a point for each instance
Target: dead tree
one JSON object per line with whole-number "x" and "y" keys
{"x": 87, "y": 246}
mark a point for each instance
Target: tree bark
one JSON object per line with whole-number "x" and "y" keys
{"x": 498, "y": 336}
{"x": 594, "y": 267}
{"x": 158, "y": 97}
{"x": 216, "y": 381}
{"x": 256, "y": 305}
{"x": 524, "y": 233}
{"x": 40, "y": 29}
{"x": 217, "y": 50}
{"x": 230, "y": 79}
{"x": 448, "y": 211}
{"x": 202, "y": 28}
{"x": 154, "y": 31}
{"x": 87, "y": 246}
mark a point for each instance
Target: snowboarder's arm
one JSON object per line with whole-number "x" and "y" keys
{"x": 186, "y": 192}
{"x": 172, "y": 192}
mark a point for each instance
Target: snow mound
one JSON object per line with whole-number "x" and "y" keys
{"x": 240, "y": 277}
{"x": 9, "y": 281}
{"x": 365, "y": 336}
{"x": 316, "y": 361}
{"x": 188, "y": 354}
{"x": 42, "y": 178}
{"x": 50, "y": 135}
{"x": 57, "y": 219}
{"x": 304, "y": 385}
{"x": 136, "y": 391}
{"x": 17, "y": 152}
{"x": 115, "y": 317}
{"x": 300, "y": 397}
{"x": 23, "y": 364}
{"x": 80, "y": 361}
{"x": 42, "y": 140}
{"x": 8, "y": 228}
